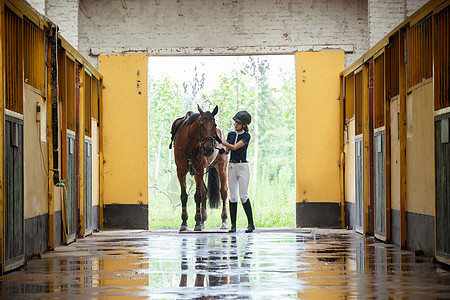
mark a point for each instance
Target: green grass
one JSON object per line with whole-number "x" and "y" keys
{"x": 272, "y": 207}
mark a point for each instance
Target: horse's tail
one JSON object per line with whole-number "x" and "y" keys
{"x": 213, "y": 187}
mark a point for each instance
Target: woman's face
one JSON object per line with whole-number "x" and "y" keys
{"x": 237, "y": 126}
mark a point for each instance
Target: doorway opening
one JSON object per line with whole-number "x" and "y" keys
{"x": 264, "y": 85}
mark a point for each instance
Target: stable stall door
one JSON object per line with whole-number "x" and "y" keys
{"x": 14, "y": 253}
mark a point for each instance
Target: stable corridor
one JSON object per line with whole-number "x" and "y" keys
{"x": 268, "y": 264}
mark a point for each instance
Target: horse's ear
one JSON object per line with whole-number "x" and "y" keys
{"x": 200, "y": 110}
{"x": 216, "y": 109}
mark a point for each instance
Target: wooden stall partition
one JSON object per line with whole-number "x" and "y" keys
{"x": 87, "y": 85}
{"x": 2, "y": 133}
{"x": 387, "y": 158}
{"x": 382, "y": 215}
{"x": 349, "y": 149}
{"x": 50, "y": 145}
{"x": 62, "y": 99}
{"x": 402, "y": 132}
{"x": 14, "y": 219}
{"x": 359, "y": 153}
{"x": 80, "y": 147}
{"x": 442, "y": 135}
{"x": 70, "y": 157}
{"x": 342, "y": 123}
{"x": 100, "y": 158}
{"x": 392, "y": 146}
{"x": 95, "y": 152}
{"x": 368, "y": 202}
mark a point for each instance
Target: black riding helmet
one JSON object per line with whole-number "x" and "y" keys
{"x": 243, "y": 117}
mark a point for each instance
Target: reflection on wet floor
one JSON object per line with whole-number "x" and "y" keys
{"x": 268, "y": 264}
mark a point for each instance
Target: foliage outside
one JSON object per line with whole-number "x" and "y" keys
{"x": 273, "y": 195}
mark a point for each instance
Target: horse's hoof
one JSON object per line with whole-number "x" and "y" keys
{"x": 224, "y": 225}
{"x": 183, "y": 228}
{"x": 198, "y": 228}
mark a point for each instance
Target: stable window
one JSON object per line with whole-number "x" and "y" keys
{"x": 95, "y": 98}
{"x": 349, "y": 96}
{"x": 34, "y": 56}
{"x": 441, "y": 59}
{"x": 392, "y": 67}
{"x": 420, "y": 51}
{"x": 70, "y": 77}
{"x": 62, "y": 76}
{"x": 13, "y": 62}
{"x": 359, "y": 95}
{"x": 87, "y": 104}
{"x": 378, "y": 86}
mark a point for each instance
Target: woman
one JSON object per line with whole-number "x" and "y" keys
{"x": 238, "y": 169}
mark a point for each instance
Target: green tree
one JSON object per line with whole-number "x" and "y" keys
{"x": 164, "y": 107}
{"x": 256, "y": 68}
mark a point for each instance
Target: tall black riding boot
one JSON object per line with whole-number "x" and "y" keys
{"x": 233, "y": 213}
{"x": 249, "y": 213}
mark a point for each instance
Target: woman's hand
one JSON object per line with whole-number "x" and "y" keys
{"x": 239, "y": 144}
{"x": 217, "y": 138}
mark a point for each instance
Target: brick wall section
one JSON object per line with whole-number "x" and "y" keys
{"x": 229, "y": 27}
{"x": 201, "y": 27}
{"x": 65, "y": 14}
{"x": 384, "y": 15}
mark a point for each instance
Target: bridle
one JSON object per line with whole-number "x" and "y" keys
{"x": 203, "y": 141}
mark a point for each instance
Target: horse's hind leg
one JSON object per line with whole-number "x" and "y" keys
{"x": 183, "y": 198}
{"x": 204, "y": 213}
{"x": 198, "y": 215}
{"x": 223, "y": 195}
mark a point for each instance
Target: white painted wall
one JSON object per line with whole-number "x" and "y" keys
{"x": 413, "y": 5}
{"x": 38, "y": 5}
{"x": 227, "y": 27}
{"x": 384, "y": 15}
{"x": 65, "y": 14}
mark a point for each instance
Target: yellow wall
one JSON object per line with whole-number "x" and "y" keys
{"x": 317, "y": 126}
{"x": 420, "y": 184}
{"x": 349, "y": 148}
{"x": 395, "y": 154}
{"x": 35, "y": 155}
{"x": 124, "y": 116}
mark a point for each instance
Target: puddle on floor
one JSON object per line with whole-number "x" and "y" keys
{"x": 267, "y": 264}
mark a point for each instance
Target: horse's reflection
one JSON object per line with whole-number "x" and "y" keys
{"x": 218, "y": 263}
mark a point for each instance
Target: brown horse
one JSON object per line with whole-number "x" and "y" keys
{"x": 195, "y": 149}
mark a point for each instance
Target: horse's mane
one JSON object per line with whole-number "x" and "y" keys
{"x": 192, "y": 118}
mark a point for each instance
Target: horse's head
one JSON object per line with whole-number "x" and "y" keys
{"x": 207, "y": 130}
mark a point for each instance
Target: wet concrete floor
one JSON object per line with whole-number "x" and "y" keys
{"x": 267, "y": 264}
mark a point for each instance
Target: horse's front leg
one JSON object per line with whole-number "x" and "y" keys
{"x": 183, "y": 198}
{"x": 200, "y": 196}
{"x": 223, "y": 195}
